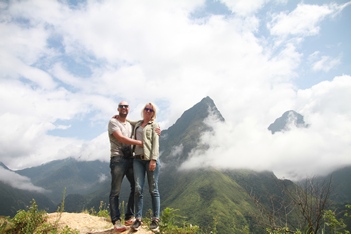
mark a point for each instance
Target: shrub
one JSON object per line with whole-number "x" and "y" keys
{"x": 171, "y": 222}
{"x": 32, "y": 221}
{"x": 28, "y": 221}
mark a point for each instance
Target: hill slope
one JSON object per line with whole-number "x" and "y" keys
{"x": 211, "y": 200}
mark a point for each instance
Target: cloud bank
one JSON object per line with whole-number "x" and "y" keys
{"x": 295, "y": 154}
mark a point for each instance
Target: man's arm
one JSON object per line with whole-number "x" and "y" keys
{"x": 133, "y": 123}
{"x": 126, "y": 140}
{"x": 158, "y": 131}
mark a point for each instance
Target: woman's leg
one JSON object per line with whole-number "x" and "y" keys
{"x": 152, "y": 177}
{"x": 139, "y": 177}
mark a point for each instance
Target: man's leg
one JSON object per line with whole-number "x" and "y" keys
{"x": 117, "y": 174}
{"x": 130, "y": 176}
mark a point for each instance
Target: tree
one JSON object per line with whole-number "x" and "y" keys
{"x": 298, "y": 209}
{"x": 311, "y": 199}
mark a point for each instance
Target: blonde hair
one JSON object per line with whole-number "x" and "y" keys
{"x": 153, "y": 107}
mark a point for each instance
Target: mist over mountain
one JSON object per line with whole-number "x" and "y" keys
{"x": 178, "y": 140}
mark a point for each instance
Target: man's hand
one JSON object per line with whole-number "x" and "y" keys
{"x": 158, "y": 131}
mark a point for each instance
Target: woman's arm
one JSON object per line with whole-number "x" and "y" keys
{"x": 155, "y": 144}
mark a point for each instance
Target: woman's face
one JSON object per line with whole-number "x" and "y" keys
{"x": 148, "y": 112}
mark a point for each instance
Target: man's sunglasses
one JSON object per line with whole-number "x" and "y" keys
{"x": 123, "y": 106}
{"x": 148, "y": 109}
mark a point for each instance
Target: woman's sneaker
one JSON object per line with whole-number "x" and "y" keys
{"x": 119, "y": 227}
{"x": 136, "y": 225}
{"x": 154, "y": 225}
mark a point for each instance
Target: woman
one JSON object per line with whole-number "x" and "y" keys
{"x": 146, "y": 162}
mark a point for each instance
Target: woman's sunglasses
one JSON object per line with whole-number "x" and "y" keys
{"x": 148, "y": 109}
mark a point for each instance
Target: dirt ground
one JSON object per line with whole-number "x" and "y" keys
{"x": 86, "y": 223}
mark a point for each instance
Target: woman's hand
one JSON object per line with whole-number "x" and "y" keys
{"x": 152, "y": 165}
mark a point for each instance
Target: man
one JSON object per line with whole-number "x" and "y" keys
{"x": 120, "y": 131}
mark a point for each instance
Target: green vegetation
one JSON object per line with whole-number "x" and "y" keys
{"x": 34, "y": 221}
{"x": 172, "y": 222}
{"x": 31, "y": 221}
{"x": 103, "y": 212}
{"x": 214, "y": 201}
{"x": 332, "y": 225}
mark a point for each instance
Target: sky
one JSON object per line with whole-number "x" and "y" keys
{"x": 66, "y": 64}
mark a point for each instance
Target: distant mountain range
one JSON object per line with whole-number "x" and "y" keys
{"x": 209, "y": 197}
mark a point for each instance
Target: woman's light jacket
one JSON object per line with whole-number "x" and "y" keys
{"x": 150, "y": 140}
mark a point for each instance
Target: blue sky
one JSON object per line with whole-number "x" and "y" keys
{"x": 66, "y": 65}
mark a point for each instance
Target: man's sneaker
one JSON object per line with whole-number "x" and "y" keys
{"x": 154, "y": 225}
{"x": 136, "y": 225}
{"x": 129, "y": 221}
{"x": 119, "y": 227}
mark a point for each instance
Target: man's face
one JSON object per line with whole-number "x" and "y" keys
{"x": 123, "y": 109}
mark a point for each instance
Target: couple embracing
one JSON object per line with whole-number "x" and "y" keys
{"x": 134, "y": 153}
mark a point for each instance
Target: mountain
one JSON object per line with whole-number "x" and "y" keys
{"x": 12, "y": 200}
{"x": 186, "y": 131}
{"x": 286, "y": 121}
{"x": 68, "y": 175}
{"x": 208, "y": 198}
{"x": 177, "y": 141}
{"x": 4, "y": 166}
{"x": 341, "y": 184}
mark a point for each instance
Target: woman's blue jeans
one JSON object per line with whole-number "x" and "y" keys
{"x": 121, "y": 167}
{"x": 141, "y": 167}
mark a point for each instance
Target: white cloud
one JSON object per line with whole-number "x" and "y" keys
{"x": 303, "y": 21}
{"x": 177, "y": 150}
{"x": 18, "y": 181}
{"x": 244, "y": 7}
{"x": 102, "y": 178}
{"x": 322, "y": 62}
{"x": 96, "y": 149}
